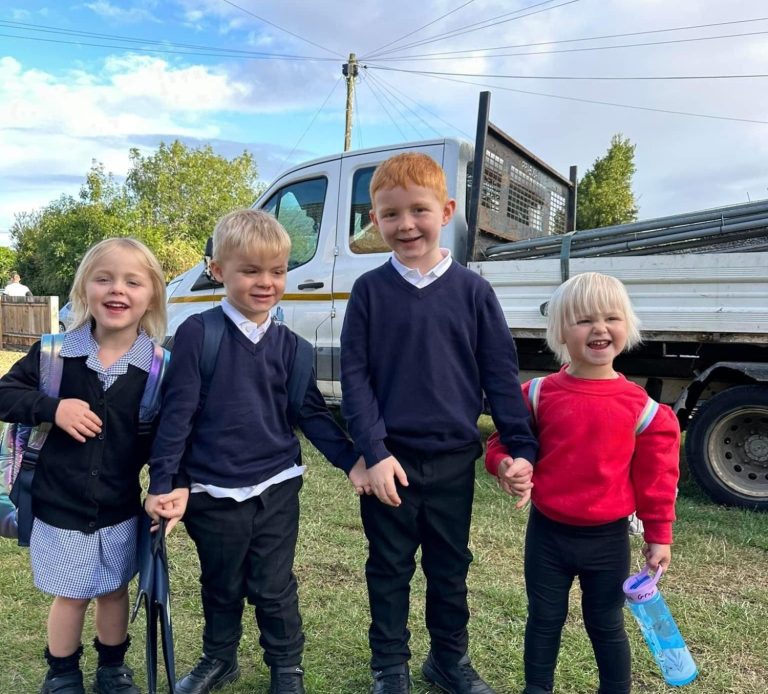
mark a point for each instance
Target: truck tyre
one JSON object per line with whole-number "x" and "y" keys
{"x": 727, "y": 447}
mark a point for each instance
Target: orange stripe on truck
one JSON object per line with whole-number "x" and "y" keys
{"x": 339, "y": 296}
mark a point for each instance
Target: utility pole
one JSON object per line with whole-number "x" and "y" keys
{"x": 349, "y": 70}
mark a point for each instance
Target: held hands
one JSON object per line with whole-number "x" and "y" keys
{"x": 657, "y": 555}
{"x": 382, "y": 480}
{"x": 170, "y": 506}
{"x": 358, "y": 477}
{"x": 76, "y": 418}
{"x": 514, "y": 477}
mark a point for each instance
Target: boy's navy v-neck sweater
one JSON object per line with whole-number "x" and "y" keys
{"x": 241, "y": 436}
{"x": 415, "y": 363}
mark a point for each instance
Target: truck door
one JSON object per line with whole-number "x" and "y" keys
{"x": 304, "y": 202}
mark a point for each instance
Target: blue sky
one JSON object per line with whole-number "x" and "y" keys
{"x": 167, "y": 69}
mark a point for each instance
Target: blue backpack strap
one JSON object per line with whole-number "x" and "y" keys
{"x": 298, "y": 380}
{"x": 150, "y": 399}
{"x": 646, "y": 416}
{"x": 534, "y": 394}
{"x": 213, "y": 332}
{"x": 50, "y": 373}
{"x": 51, "y": 369}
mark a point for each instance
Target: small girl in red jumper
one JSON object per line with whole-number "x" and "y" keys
{"x": 606, "y": 451}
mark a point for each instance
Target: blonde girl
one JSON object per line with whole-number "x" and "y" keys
{"x": 86, "y": 493}
{"x": 606, "y": 450}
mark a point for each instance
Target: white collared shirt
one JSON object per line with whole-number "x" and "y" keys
{"x": 415, "y": 277}
{"x": 250, "y": 329}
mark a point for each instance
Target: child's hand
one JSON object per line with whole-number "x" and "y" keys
{"x": 76, "y": 418}
{"x": 515, "y": 479}
{"x": 358, "y": 476}
{"x": 382, "y": 479}
{"x": 657, "y": 555}
{"x": 170, "y": 506}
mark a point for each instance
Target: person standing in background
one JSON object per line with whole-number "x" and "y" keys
{"x": 15, "y": 287}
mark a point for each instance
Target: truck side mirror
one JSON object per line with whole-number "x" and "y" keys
{"x": 207, "y": 255}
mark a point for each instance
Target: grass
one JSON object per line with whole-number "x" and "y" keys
{"x": 717, "y": 590}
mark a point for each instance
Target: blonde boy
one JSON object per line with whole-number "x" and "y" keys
{"x": 423, "y": 339}
{"x": 233, "y": 439}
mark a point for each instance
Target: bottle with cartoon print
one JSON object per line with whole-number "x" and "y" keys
{"x": 659, "y": 628}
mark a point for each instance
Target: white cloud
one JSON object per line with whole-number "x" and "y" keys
{"x": 133, "y": 15}
{"x": 130, "y": 95}
{"x": 55, "y": 120}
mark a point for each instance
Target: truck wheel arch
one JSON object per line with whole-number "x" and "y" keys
{"x": 726, "y": 444}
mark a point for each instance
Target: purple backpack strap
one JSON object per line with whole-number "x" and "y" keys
{"x": 150, "y": 400}
{"x": 51, "y": 370}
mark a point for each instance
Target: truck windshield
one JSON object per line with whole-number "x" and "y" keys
{"x": 299, "y": 208}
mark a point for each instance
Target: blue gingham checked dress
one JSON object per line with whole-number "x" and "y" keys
{"x": 70, "y": 563}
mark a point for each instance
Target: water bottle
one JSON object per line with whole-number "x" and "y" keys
{"x": 659, "y": 629}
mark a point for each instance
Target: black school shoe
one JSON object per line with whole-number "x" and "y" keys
{"x": 207, "y": 675}
{"x": 460, "y": 678}
{"x": 394, "y": 679}
{"x": 115, "y": 679}
{"x": 70, "y": 683}
{"x": 286, "y": 680}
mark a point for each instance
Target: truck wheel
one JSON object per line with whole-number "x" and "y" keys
{"x": 727, "y": 447}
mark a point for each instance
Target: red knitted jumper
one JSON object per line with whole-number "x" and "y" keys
{"x": 592, "y": 468}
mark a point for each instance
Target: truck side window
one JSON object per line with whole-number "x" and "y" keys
{"x": 299, "y": 208}
{"x": 363, "y": 236}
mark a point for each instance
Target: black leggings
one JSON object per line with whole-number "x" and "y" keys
{"x": 599, "y": 555}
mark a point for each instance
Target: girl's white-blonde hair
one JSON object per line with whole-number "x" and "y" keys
{"x": 248, "y": 230}
{"x": 154, "y": 321}
{"x": 585, "y": 294}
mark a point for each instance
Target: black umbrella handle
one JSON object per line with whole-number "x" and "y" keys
{"x": 158, "y": 541}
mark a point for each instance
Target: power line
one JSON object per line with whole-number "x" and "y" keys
{"x": 588, "y": 38}
{"x": 382, "y": 85}
{"x": 48, "y": 29}
{"x": 630, "y": 78}
{"x": 384, "y": 108}
{"x": 604, "y": 103}
{"x": 486, "y": 23}
{"x": 394, "y": 106}
{"x": 277, "y": 26}
{"x": 579, "y": 50}
{"x": 423, "y": 26}
{"x": 311, "y": 123}
{"x": 424, "y": 108}
{"x": 253, "y": 56}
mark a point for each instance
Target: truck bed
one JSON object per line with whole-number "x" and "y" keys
{"x": 709, "y": 297}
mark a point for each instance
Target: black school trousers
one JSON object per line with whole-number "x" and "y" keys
{"x": 435, "y": 514}
{"x": 246, "y": 551}
{"x": 555, "y": 554}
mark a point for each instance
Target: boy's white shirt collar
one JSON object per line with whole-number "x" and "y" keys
{"x": 414, "y": 276}
{"x": 251, "y": 330}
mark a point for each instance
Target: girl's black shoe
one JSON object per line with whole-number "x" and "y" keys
{"x": 68, "y": 683}
{"x": 115, "y": 679}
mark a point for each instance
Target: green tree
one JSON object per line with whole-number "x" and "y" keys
{"x": 7, "y": 264}
{"x": 51, "y": 242}
{"x": 605, "y": 194}
{"x": 170, "y": 201}
{"x": 184, "y": 191}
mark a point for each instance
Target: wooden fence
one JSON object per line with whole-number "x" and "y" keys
{"x": 24, "y": 319}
